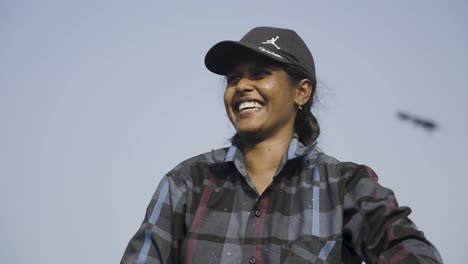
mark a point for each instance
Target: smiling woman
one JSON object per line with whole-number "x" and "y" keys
{"x": 272, "y": 196}
{"x": 260, "y": 100}
{"x": 305, "y": 123}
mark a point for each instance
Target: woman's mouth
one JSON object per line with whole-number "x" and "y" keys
{"x": 249, "y": 106}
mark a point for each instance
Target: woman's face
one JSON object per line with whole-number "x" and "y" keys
{"x": 259, "y": 99}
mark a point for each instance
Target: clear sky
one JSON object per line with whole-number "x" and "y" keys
{"x": 99, "y": 99}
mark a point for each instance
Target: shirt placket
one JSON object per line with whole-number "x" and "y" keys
{"x": 257, "y": 215}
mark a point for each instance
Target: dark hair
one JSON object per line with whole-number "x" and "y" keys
{"x": 306, "y": 125}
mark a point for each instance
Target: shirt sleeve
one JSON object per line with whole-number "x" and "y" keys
{"x": 160, "y": 235}
{"x": 379, "y": 230}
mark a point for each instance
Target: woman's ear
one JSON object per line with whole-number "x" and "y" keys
{"x": 303, "y": 92}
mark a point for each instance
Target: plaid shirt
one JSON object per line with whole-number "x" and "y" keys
{"x": 316, "y": 210}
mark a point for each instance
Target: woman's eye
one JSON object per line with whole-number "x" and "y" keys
{"x": 260, "y": 74}
{"x": 233, "y": 79}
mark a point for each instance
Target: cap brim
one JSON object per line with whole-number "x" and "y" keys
{"x": 221, "y": 56}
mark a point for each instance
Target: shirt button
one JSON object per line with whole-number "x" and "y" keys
{"x": 252, "y": 260}
{"x": 258, "y": 213}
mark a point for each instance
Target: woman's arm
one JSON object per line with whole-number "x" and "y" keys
{"x": 159, "y": 238}
{"x": 377, "y": 228}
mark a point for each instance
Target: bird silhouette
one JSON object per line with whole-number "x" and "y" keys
{"x": 424, "y": 123}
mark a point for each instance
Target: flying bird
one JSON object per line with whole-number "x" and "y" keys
{"x": 425, "y": 123}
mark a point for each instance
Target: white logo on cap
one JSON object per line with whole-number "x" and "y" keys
{"x": 270, "y": 52}
{"x": 272, "y": 42}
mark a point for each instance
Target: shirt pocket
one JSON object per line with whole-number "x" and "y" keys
{"x": 317, "y": 250}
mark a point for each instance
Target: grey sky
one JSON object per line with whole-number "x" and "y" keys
{"x": 99, "y": 99}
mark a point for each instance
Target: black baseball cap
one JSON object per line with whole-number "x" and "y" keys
{"x": 279, "y": 44}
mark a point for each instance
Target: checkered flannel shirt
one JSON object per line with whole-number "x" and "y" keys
{"x": 316, "y": 210}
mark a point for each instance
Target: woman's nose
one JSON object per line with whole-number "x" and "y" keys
{"x": 244, "y": 84}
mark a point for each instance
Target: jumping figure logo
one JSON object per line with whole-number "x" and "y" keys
{"x": 272, "y": 42}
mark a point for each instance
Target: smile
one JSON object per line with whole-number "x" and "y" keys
{"x": 250, "y": 106}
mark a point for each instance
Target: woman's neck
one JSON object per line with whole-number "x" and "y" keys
{"x": 263, "y": 157}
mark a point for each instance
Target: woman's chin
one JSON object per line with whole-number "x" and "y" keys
{"x": 249, "y": 133}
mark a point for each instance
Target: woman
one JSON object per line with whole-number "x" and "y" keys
{"x": 272, "y": 197}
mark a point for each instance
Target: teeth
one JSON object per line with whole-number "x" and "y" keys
{"x": 249, "y": 105}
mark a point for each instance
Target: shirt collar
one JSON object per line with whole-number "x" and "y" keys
{"x": 295, "y": 150}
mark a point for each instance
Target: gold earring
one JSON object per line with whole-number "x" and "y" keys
{"x": 299, "y": 106}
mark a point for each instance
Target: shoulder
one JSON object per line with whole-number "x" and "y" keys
{"x": 332, "y": 167}
{"x": 205, "y": 159}
{"x": 199, "y": 166}
{"x": 352, "y": 178}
